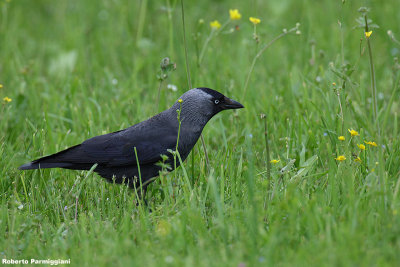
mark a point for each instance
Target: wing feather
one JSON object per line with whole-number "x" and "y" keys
{"x": 118, "y": 149}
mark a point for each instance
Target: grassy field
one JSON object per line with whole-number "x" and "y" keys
{"x": 70, "y": 70}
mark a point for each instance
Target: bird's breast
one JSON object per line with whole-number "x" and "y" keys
{"x": 187, "y": 140}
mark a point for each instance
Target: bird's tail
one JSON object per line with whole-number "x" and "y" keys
{"x": 57, "y": 160}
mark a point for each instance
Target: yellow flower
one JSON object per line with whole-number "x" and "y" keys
{"x": 353, "y": 132}
{"x": 341, "y": 138}
{"x": 180, "y": 100}
{"x": 368, "y": 34}
{"x": 7, "y": 99}
{"x": 1, "y": 86}
{"x": 334, "y": 84}
{"x": 371, "y": 143}
{"x": 361, "y": 146}
{"x": 163, "y": 228}
{"x": 255, "y": 21}
{"x": 357, "y": 160}
{"x": 341, "y": 158}
{"x": 215, "y": 24}
{"x": 275, "y": 161}
{"x": 234, "y": 14}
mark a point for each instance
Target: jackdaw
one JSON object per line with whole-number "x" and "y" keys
{"x": 114, "y": 153}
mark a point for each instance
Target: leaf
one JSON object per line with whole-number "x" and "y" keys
{"x": 288, "y": 167}
{"x": 305, "y": 168}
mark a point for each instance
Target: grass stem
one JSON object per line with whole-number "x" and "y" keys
{"x": 189, "y": 80}
{"x": 373, "y": 83}
{"x": 158, "y": 96}
{"x": 267, "y": 150}
{"x": 262, "y": 50}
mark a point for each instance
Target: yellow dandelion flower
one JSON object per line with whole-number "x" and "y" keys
{"x": 361, "y": 146}
{"x": 357, "y": 160}
{"x": 163, "y": 228}
{"x": 341, "y": 158}
{"x": 371, "y": 143}
{"x": 1, "y": 86}
{"x": 180, "y": 100}
{"x": 7, "y": 99}
{"x": 255, "y": 21}
{"x": 341, "y": 138}
{"x": 353, "y": 132}
{"x": 275, "y": 161}
{"x": 215, "y": 24}
{"x": 234, "y": 14}
{"x": 368, "y": 34}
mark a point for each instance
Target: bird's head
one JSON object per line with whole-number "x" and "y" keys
{"x": 205, "y": 102}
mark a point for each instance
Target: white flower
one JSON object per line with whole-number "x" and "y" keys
{"x": 169, "y": 259}
{"x": 172, "y": 87}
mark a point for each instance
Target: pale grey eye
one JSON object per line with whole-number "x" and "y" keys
{"x": 216, "y": 101}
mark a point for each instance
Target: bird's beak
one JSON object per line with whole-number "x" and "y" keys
{"x": 231, "y": 104}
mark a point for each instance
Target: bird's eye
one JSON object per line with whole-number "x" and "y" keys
{"x": 216, "y": 101}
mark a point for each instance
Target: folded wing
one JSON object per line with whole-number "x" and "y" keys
{"x": 112, "y": 150}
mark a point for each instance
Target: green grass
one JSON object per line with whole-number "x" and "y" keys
{"x": 76, "y": 69}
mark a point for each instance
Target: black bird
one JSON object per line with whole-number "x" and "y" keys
{"x": 114, "y": 153}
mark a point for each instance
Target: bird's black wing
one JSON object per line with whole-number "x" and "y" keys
{"x": 115, "y": 149}
{"x": 118, "y": 149}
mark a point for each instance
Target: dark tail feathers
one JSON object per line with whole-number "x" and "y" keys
{"x": 56, "y": 160}
{"x": 32, "y": 165}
